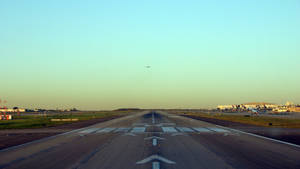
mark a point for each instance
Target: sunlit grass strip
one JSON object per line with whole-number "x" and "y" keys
{"x": 254, "y": 120}
{"x": 39, "y": 121}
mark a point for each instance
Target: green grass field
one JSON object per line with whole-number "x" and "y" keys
{"x": 39, "y": 121}
{"x": 254, "y": 120}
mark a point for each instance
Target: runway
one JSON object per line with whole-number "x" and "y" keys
{"x": 152, "y": 139}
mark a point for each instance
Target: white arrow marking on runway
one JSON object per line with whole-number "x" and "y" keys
{"x": 155, "y": 157}
{"x": 154, "y": 137}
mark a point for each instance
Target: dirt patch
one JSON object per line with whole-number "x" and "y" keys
{"x": 13, "y": 137}
{"x": 284, "y": 134}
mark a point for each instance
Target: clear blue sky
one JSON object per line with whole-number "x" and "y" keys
{"x": 92, "y": 54}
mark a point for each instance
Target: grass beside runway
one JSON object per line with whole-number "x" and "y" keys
{"x": 41, "y": 120}
{"x": 253, "y": 120}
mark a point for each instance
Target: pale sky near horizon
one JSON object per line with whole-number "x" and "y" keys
{"x": 92, "y": 54}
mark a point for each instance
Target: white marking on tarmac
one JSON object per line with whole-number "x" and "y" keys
{"x": 218, "y": 130}
{"x": 184, "y": 129}
{"x": 154, "y": 142}
{"x": 122, "y": 130}
{"x": 87, "y": 131}
{"x": 152, "y": 137}
{"x": 106, "y": 130}
{"x": 263, "y": 137}
{"x": 153, "y": 119}
{"x": 155, "y": 157}
{"x": 202, "y": 130}
{"x": 169, "y": 129}
{"x": 138, "y": 130}
{"x": 178, "y": 134}
{"x": 155, "y": 165}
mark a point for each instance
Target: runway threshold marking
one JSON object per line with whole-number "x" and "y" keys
{"x": 184, "y": 129}
{"x": 122, "y": 130}
{"x": 202, "y": 130}
{"x": 90, "y": 130}
{"x": 106, "y": 130}
{"x": 169, "y": 129}
{"x": 218, "y": 130}
{"x": 138, "y": 130}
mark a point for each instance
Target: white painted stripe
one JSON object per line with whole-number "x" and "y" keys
{"x": 202, "y": 130}
{"x": 138, "y": 129}
{"x": 155, "y": 165}
{"x": 122, "y": 130}
{"x": 262, "y": 137}
{"x": 218, "y": 130}
{"x": 154, "y": 142}
{"x": 169, "y": 129}
{"x": 153, "y": 119}
{"x": 87, "y": 131}
{"x": 184, "y": 129}
{"x": 106, "y": 130}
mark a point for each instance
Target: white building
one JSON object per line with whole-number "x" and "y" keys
{"x": 259, "y": 105}
{"x": 12, "y": 110}
{"x": 225, "y": 107}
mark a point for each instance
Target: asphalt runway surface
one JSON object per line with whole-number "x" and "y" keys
{"x": 156, "y": 140}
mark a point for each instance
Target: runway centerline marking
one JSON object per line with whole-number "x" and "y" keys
{"x": 152, "y": 137}
{"x": 154, "y": 142}
{"x": 155, "y": 165}
{"x": 153, "y": 118}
